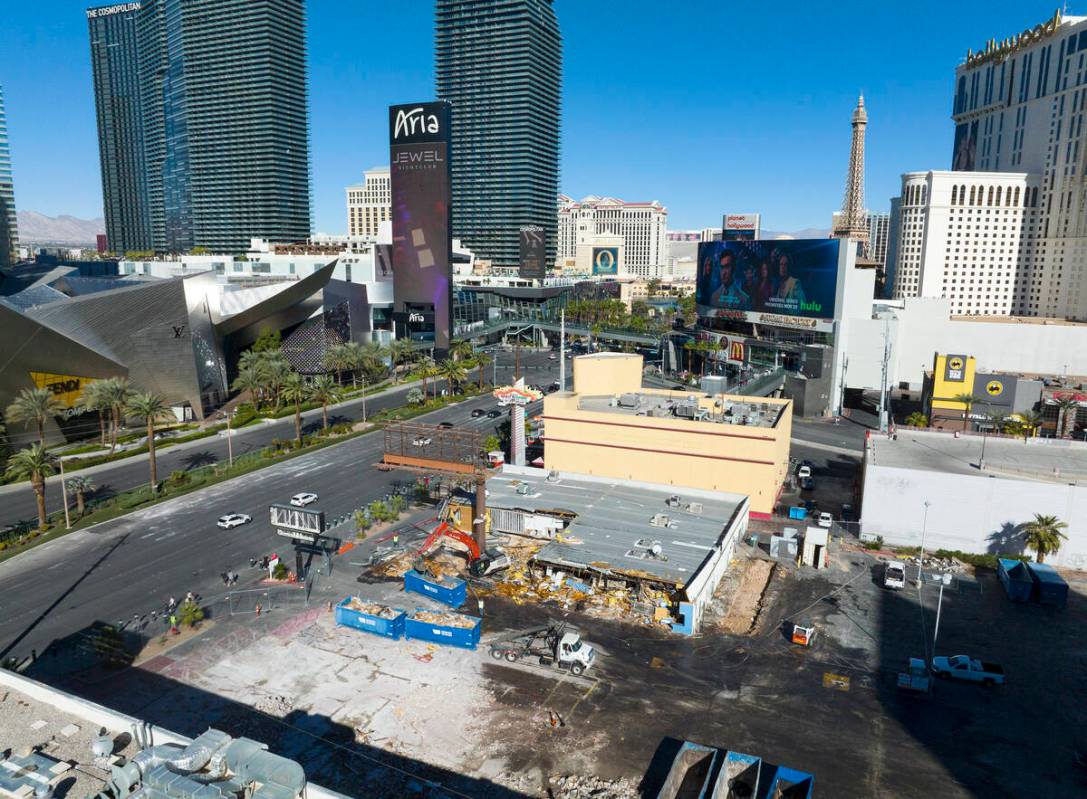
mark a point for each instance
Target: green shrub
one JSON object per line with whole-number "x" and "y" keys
{"x": 179, "y": 477}
{"x": 874, "y": 545}
{"x": 280, "y": 571}
{"x": 190, "y": 614}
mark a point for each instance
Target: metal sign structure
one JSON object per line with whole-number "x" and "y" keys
{"x": 427, "y": 446}
{"x": 301, "y": 524}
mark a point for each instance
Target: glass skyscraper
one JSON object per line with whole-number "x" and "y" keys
{"x": 222, "y": 122}
{"x": 499, "y": 63}
{"x": 116, "y": 74}
{"x": 9, "y": 229}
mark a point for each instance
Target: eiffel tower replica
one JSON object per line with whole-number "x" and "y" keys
{"x": 852, "y": 222}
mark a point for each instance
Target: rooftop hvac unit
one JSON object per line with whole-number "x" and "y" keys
{"x": 672, "y": 501}
{"x": 694, "y": 507}
{"x": 522, "y": 489}
{"x": 661, "y": 520}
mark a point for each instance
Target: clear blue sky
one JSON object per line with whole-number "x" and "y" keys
{"x": 706, "y": 106}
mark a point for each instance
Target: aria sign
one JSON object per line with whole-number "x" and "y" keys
{"x": 998, "y": 51}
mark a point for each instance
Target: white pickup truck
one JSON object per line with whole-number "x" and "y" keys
{"x": 962, "y": 667}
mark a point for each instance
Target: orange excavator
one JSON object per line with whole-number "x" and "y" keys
{"x": 480, "y": 563}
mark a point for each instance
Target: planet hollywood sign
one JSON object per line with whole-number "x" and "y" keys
{"x": 998, "y": 51}
{"x": 106, "y": 11}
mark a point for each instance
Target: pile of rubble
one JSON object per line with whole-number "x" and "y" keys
{"x": 372, "y": 608}
{"x": 590, "y": 787}
{"x": 930, "y": 563}
{"x": 445, "y": 619}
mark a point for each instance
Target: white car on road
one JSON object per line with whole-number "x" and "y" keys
{"x": 233, "y": 520}
{"x": 826, "y": 520}
{"x": 303, "y": 499}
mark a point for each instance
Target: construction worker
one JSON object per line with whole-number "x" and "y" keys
{"x": 396, "y": 539}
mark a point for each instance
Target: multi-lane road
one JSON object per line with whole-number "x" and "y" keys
{"x": 132, "y": 564}
{"x": 17, "y": 502}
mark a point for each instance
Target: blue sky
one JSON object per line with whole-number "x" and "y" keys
{"x": 705, "y": 106}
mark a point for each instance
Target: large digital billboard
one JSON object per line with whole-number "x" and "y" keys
{"x": 422, "y": 245}
{"x": 533, "y": 240}
{"x": 605, "y": 260}
{"x": 966, "y": 147}
{"x": 749, "y": 279}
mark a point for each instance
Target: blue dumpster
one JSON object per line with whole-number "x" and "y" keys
{"x": 1016, "y": 578}
{"x": 798, "y": 512}
{"x": 371, "y": 617}
{"x": 447, "y": 629}
{"x": 450, "y": 590}
{"x": 1049, "y": 587}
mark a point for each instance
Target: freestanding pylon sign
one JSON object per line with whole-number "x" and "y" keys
{"x": 516, "y": 397}
{"x": 853, "y": 222}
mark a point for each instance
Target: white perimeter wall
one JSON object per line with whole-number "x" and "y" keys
{"x": 966, "y": 511}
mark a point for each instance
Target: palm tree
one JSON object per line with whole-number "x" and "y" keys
{"x": 34, "y": 463}
{"x": 95, "y": 398}
{"x": 275, "y": 372}
{"x": 453, "y": 373}
{"x": 968, "y": 403}
{"x": 481, "y": 362}
{"x": 1068, "y": 408}
{"x": 325, "y": 391}
{"x": 337, "y": 360}
{"x": 152, "y": 408}
{"x": 249, "y": 379}
{"x": 425, "y": 370}
{"x": 1044, "y": 535}
{"x": 917, "y": 419}
{"x": 462, "y": 350}
{"x": 80, "y": 486}
{"x": 118, "y": 390}
{"x": 1029, "y": 423}
{"x": 400, "y": 350}
{"x": 34, "y": 405}
{"x": 295, "y": 390}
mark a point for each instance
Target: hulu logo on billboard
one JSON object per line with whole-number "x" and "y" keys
{"x": 811, "y": 307}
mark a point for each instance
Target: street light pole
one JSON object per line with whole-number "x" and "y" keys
{"x": 945, "y": 579}
{"x": 229, "y": 442}
{"x": 924, "y": 530}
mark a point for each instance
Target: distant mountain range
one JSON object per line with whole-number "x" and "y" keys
{"x": 35, "y": 228}
{"x": 806, "y": 233}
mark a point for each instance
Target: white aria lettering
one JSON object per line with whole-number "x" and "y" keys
{"x": 413, "y": 122}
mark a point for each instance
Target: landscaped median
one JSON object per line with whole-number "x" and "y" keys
{"x": 21, "y": 537}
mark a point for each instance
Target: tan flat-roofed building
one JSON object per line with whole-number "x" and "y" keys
{"x": 610, "y": 426}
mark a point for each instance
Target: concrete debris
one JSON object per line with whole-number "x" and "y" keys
{"x": 590, "y": 787}
{"x": 275, "y": 705}
{"x": 445, "y": 619}
{"x": 372, "y": 608}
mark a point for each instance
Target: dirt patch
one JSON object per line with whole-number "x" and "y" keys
{"x": 746, "y": 602}
{"x": 164, "y": 643}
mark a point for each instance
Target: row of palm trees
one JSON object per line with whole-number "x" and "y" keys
{"x": 35, "y": 463}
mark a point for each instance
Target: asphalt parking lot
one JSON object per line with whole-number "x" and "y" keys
{"x": 410, "y": 711}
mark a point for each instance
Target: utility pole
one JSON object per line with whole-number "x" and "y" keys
{"x": 562, "y": 350}
{"x": 945, "y": 580}
{"x": 924, "y": 530}
{"x": 517, "y": 359}
{"x": 883, "y": 378}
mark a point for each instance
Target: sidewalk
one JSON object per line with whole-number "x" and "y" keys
{"x": 203, "y": 442}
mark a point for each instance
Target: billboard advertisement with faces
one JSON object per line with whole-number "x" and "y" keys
{"x": 422, "y": 251}
{"x": 749, "y": 279}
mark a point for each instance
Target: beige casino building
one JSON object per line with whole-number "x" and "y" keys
{"x": 610, "y": 426}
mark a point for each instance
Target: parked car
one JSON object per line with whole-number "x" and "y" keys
{"x": 847, "y": 512}
{"x": 825, "y": 520}
{"x": 551, "y": 389}
{"x": 477, "y": 412}
{"x": 806, "y": 483}
{"x": 894, "y": 574}
{"x": 303, "y": 499}
{"x": 803, "y": 471}
{"x": 233, "y": 520}
{"x": 963, "y": 667}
